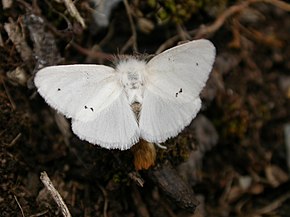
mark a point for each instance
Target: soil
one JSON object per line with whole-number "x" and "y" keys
{"x": 232, "y": 160}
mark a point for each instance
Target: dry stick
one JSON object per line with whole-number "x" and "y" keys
{"x": 8, "y": 95}
{"x": 204, "y": 31}
{"x": 19, "y": 205}
{"x": 280, "y": 4}
{"x": 25, "y": 4}
{"x": 93, "y": 54}
{"x": 234, "y": 10}
{"x": 183, "y": 34}
{"x": 273, "y": 205}
{"x": 13, "y": 142}
{"x": 139, "y": 203}
{"x": 221, "y": 19}
{"x": 106, "y": 201}
{"x": 135, "y": 176}
{"x": 74, "y": 12}
{"x": 40, "y": 213}
{"x": 133, "y": 38}
{"x": 108, "y": 36}
{"x": 168, "y": 43}
{"x": 54, "y": 193}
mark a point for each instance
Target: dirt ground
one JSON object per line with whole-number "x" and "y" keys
{"x": 232, "y": 160}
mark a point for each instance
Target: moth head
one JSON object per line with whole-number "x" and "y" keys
{"x": 130, "y": 65}
{"x": 132, "y": 73}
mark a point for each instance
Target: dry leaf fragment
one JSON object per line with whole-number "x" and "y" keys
{"x": 275, "y": 175}
{"x": 18, "y": 75}
{"x": 18, "y": 38}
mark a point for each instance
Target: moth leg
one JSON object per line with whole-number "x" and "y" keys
{"x": 160, "y": 146}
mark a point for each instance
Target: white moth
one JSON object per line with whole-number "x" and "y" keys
{"x": 98, "y": 98}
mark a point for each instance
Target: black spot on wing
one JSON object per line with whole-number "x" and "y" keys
{"x": 170, "y": 59}
{"x": 196, "y": 64}
{"x": 91, "y": 108}
{"x": 87, "y": 75}
{"x": 58, "y": 89}
{"x": 180, "y": 91}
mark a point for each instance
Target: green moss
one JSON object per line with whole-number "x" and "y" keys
{"x": 235, "y": 118}
{"x": 178, "y": 150}
{"x": 180, "y": 11}
{"x": 120, "y": 176}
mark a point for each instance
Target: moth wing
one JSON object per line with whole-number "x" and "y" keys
{"x": 185, "y": 67}
{"x": 80, "y": 92}
{"x": 114, "y": 128}
{"x": 92, "y": 96}
{"x": 161, "y": 119}
{"x": 175, "y": 79}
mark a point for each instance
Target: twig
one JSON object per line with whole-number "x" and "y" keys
{"x": 108, "y": 36}
{"x": 133, "y": 38}
{"x": 19, "y": 205}
{"x": 127, "y": 45}
{"x": 9, "y": 95}
{"x": 12, "y": 143}
{"x": 261, "y": 38}
{"x": 25, "y": 4}
{"x": 135, "y": 176}
{"x": 280, "y": 4}
{"x": 69, "y": 25}
{"x": 139, "y": 203}
{"x": 106, "y": 202}
{"x": 40, "y": 213}
{"x": 272, "y": 206}
{"x": 91, "y": 53}
{"x": 168, "y": 43}
{"x": 74, "y": 12}
{"x": 167, "y": 208}
{"x": 264, "y": 210}
{"x": 183, "y": 34}
{"x": 54, "y": 193}
{"x": 205, "y": 31}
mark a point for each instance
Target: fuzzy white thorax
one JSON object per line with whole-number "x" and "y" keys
{"x": 132, "y": 72}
